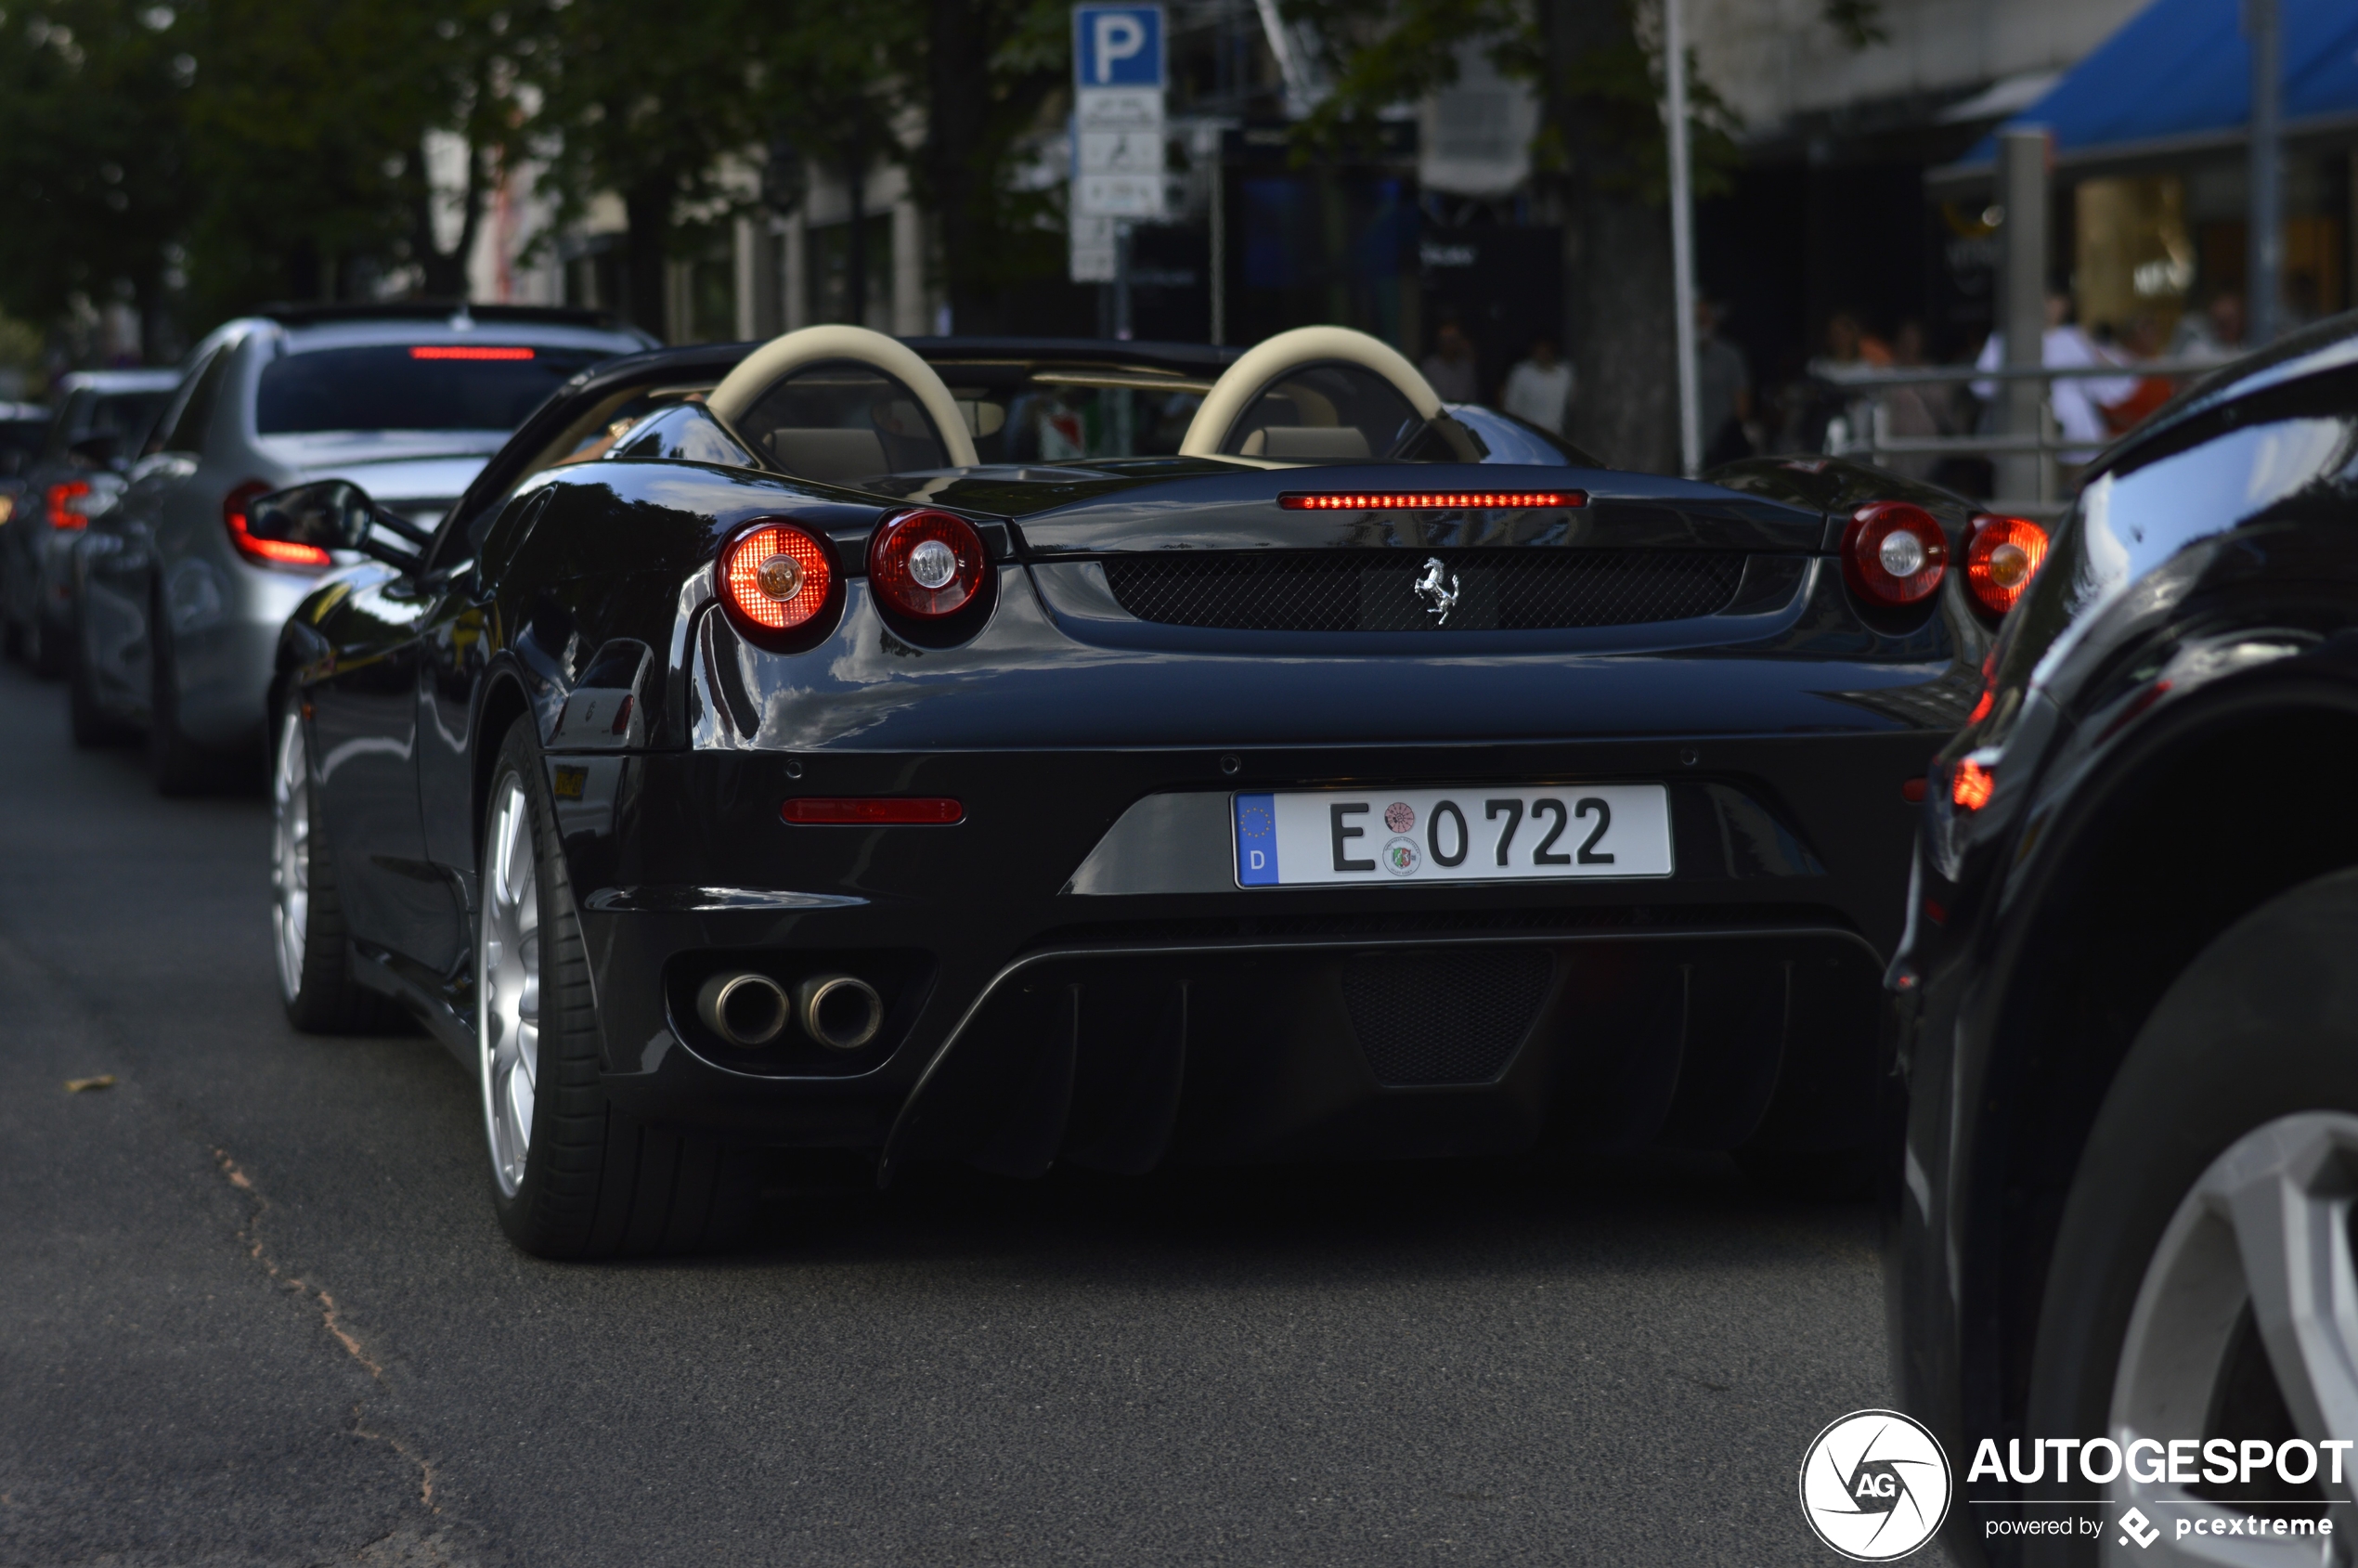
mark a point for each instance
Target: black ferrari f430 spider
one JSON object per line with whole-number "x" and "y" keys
{"x": 1024, "y": 752}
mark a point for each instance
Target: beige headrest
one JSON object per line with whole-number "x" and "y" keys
{"x": 781, "y": 357}
{"x": 1268, "y": 361}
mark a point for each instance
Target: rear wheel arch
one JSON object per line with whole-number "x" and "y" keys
{"x": 2229, "y": 804}
{"x": 503, "y": 703}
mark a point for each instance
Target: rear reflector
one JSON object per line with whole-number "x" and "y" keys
{"x": 1428, "y": 500}
{"x": 1912, "y": 791}
{"x": 466, "y": 351}
{"x": 871, "y": 811}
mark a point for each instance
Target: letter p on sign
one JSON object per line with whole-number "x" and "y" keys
{"x": 1118, "y": 45}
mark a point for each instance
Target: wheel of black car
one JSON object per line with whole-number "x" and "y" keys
{"x": 92, "y": 725}
{"x": 178, "y": 764}
{"x": 306, "y": 917}
{"x": 573, "y": 1176}
{"x": 2201, "y": 1278}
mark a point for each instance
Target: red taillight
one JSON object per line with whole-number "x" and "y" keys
{"x": 872, "y": 810}
{"x": 1894, "y": 553}
{"x": 468, "y": 351}
{"x": 63, "y": 513}
{"x": 776, "y": 577}
{"x": 1970, "y": 785}
{"x": 2006, "y": 553}
{"x": 1428, "y": 501}
{"x": 270, "y": 553}
{"x": 926, "y": 563}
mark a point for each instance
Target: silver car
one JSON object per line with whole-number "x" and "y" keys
{"x": 178, "y": 605}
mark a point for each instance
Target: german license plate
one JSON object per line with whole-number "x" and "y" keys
{"x": 1483, "y": 834}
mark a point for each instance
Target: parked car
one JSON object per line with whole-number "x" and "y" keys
{"x": 1320, "y": 789}
{"x": 24, "y": 428}
{"x": 101, "y": 418}
{"x": 2126, "y": 1007}
{"x": 179, "y": 604}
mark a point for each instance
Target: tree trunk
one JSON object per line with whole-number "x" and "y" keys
{"x": 446, "y": 271}
{"x": 958, "y": 110}
{"x": 1619, "y": 301}
{"x": 646, "y": 207}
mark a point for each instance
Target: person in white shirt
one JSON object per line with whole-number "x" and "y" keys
{"x": 1540, "y": 388}
{"x": 2077, "y": 400}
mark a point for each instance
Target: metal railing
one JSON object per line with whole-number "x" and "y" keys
{"x": 2049, "y": 444}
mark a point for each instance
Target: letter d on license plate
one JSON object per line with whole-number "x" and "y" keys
{"x": 1487, "y": 833}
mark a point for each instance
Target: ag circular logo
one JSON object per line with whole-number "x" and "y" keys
{"x": 1874, "y": 1485}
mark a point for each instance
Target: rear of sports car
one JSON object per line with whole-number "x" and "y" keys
{"x": 1178, "y": 810}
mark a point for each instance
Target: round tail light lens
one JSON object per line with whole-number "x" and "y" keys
{"x": 776, "y": 577}
{"x": 1894, "y": 553}
{"x": 926, "y": 563}
{"x": 2006, "y": 553}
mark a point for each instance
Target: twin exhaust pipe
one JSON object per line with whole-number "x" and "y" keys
{"x": 841, "y": 1012}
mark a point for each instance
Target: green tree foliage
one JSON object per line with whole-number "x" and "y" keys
{"x": 93, "y": 154}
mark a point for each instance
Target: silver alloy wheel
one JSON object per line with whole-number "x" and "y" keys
{"x": 2265, "y": 1230}
{"x": 507, "y": 985}
{"x": 290, "y": 853}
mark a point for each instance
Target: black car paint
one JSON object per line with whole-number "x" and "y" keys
{"x": 1786, "y": 731}
{"x": 2169, "y": 715}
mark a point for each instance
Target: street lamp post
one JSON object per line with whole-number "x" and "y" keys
{"x": 2264, "y": 260}
{"x": 1682, "y": 239}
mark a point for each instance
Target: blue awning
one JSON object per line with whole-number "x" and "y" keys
{"x": 2178, "y": 76}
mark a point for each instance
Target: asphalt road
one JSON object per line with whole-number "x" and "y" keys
{"x": 254, "y": 1309}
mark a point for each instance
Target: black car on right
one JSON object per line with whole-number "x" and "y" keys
{"x": 2125, "y": 1010}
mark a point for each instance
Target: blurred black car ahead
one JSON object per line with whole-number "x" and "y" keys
{"x": 23, "y": 428}
{"x": 101, "y": 418}
{"x": 2126, "y": 1007}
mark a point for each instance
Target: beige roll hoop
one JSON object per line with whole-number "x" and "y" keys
{"x": 1232, "y": 397}
{"x": 825, "y": 451}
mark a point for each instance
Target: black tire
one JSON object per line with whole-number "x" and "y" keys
{"x": 92, "y": 725}
{"x": 596, "y": 1182}
{"x": 2264, "y": 1024}
{"x": 316, "y": 988}
{"x": 179, "y": 766}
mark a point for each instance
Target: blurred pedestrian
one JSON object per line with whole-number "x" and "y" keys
{"x": 1850, "y": 353}
{"x": 1723, "y": 390}
{"x": 2074, "y": 399}
{"x": 1910, "y": 413}
{"x": 2143, "y": 340}
{"x": 1540, "y": 387}
{"x": 2216, "y": 331}
{"x": 1451, "y": 367}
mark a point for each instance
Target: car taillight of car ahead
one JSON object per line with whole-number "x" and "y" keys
{"x": 927, "y": 564}
{"x": 1894, "y": 553}
{"x": 264, "y": 552}
{"x": 2002, "y": 558}
{"x": 59, "y": 505}
{"x": 775, "y": 578}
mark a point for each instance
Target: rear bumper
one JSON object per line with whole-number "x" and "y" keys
{"x": 1732, "y": 1004}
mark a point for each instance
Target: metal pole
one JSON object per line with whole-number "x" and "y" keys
{"x": 2022, "y": 299}
{"x": 1220, "y": 244}
{"x": 2264, "y": 265}
{"x": 1683, "y": 241}
{"x": 1122, "y": 281}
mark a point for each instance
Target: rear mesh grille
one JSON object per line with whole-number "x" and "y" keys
{"x": 1424, "y": 1018}
{"x": 1377, "y": 591}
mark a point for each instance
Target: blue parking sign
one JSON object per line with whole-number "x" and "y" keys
{"x": 1117, "y": 45}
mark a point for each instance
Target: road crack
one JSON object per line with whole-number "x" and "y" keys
{"x": 324, "y": 1306}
